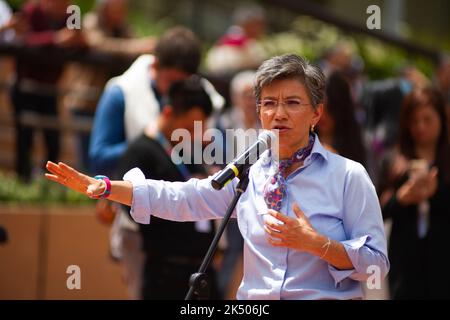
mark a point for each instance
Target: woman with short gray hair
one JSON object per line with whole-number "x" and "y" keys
{"x": 310, "y": 219}
{"x": 294, "y": 67}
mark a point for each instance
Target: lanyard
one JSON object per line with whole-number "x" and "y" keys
{"x": 168, "y": 148}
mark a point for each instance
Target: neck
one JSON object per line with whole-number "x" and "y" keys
{"x": 167, "y": 133}
{"x": 162, "y": 127}
{"x": 154, "y": 77}
{"x": 288, "y": 154}
{"x": 427, "y": 152}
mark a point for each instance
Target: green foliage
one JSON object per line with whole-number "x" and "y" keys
{"x": 15, "y": 3}
{"x": 40, "y": 191}
{"x": 311, "y": 38}
{"x": 85, "y": 5}
{"x": 142, "y": 26}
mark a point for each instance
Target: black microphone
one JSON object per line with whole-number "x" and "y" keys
{"x": 246, "y": 159}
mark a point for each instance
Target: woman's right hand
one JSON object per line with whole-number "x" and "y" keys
{"x": 415, "y": 191}
{"x": 69, "y": 177}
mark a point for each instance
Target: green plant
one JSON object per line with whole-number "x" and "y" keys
{"x": 42, "y": 191}
{"x": 311, "y": 38}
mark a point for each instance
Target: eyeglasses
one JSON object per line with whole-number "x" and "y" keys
{"x": 290, "y": 105}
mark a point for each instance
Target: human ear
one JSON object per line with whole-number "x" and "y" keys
{"x": 318, "y": 111}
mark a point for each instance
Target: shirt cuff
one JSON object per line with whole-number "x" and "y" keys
{"x": 351, "y": 247}
{"x": 140, "y": 205}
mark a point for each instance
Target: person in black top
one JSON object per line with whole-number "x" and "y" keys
{"x": 418, "y": 200}
{"x": 338, "y": 125}
{"x": 174, "y": 250}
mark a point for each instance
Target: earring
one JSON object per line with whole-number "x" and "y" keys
{"x": 312, "y": 128}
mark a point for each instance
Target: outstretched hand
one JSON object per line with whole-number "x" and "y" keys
{"x": 71, "y": 178}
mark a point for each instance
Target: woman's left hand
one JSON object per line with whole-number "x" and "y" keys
{"x": 294, "y": 233}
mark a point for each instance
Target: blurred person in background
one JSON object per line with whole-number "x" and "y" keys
{"x": 338, "y": 129}
{"x": 337, "y": 58}
{"x": 130, "y": 101}
{"x": 106, "y": 30}
{"x": 6, "y": 22}
{"x": 343, "y": 58}
{"x": 418, "y": 198}
{"x": 173, "y": 250}
{"x": 241, "y": 115}
{"x": 443, "y": 83}
{"x": 381, "y": 102}
{"x": 35, "y": 87}
{"x": 129, "y": 104}
{"x": 239, "y": 48}
{"x": 443, "y": 78}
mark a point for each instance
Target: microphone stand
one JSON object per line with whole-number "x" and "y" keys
{"x": 199, "y": 285}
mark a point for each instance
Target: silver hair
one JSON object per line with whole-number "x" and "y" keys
{"x": 241, "y": 80}
{"x": 291, "y": 66}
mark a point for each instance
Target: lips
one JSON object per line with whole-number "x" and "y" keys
{"x": 281, "y": 128}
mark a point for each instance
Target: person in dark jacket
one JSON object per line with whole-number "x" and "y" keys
{"x": 173, "y": 250}
{"x": 419, "y": 200}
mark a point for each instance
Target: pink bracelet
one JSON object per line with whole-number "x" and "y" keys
{"x": 107, "y": 191}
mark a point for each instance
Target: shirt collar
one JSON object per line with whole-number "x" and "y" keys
{"x": 318, "y": 149}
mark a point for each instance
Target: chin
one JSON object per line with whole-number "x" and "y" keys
{"x": 284, "y": 152}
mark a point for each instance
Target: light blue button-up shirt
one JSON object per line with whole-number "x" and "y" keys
{"x": 335, "y": 193}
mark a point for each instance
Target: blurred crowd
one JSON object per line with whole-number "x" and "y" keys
{"x": 397, "y": 128}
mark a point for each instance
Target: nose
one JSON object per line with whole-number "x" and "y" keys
{"x": 280, "y": 112}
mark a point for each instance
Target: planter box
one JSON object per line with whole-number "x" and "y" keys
{"x": 44, "y": 241}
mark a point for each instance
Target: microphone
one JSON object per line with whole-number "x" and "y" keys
{"x": 239, "y": 164}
